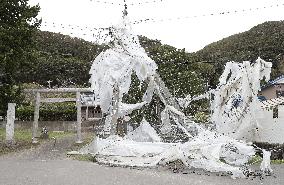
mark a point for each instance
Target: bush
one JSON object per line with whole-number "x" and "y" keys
{"x": 201, "y": 117}
{"x": 48, "y": 112}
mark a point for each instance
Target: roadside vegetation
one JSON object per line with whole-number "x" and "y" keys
{"x": 23, "y": 140}
{"x": 257, "y": 160}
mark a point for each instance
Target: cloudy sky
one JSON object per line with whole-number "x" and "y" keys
{"x": 181, "y": 23}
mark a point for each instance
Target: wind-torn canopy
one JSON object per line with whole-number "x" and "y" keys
{"x": 115, "y": 66}
{"x": 234, "y": 105}
{"x": 143, "y": 147}
{"x": 235, "y": 99}
{"x": 144, "y": 133}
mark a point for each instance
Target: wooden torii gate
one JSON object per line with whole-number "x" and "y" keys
{"x": 39, "y": 100}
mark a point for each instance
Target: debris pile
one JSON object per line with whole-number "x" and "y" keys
{"x": 213, "y": 150}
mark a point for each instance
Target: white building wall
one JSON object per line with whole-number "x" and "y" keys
{"x": 270, "y": 129}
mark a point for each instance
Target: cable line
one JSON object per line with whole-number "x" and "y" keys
{"x": 153, "y": 20}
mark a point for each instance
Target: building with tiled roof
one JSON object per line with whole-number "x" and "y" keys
{"x": 273, "y": 89}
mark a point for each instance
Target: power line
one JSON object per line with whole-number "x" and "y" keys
{"x": 130, "y": 4}
{"x": 145, "y": 2}
{"x": 72, "y": 26}
{"x": 53, "y": 24}
{"x": 153, "y": 20}
{"x": 95, "y": 34}
{"x": 105, "y": 2}
{"x": 98, "y": 31}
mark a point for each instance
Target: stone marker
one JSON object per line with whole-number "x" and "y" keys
{"x": 79, "y": 118}
{"x": 10, "y": 123}
{"x": 36, "y": 117}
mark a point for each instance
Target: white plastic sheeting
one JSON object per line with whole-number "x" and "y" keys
{"x": 144, "y": 133}
{"x": 115, "y": 66}
{"x": 185, "y": 102}
{"x": 208, "y": 150}
{"x": 171, "y": 112}
{"x": 235, "y": 99}
{"x": 126, "y": 109}
{"x": 177, "y": 116}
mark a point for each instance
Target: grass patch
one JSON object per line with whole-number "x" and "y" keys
{"x": 278, "y": 161}
{"x": 257, "y": 160}
{"x": 22, "y": 141}
{"x": 19, "y": 135}
{"x": 58, "y": 135}
{"x": 23, "y": 135}
{"x": 87, "y": 139}
{"x": 2, "y": 134}
{"x": 86, "y": 157}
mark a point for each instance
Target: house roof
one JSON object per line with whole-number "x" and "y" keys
{"x": 278, "y": 80}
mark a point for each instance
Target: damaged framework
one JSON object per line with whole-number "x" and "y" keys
{"x": 213, "y": 150}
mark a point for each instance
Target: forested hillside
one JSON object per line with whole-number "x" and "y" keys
{"x": 66, "y": 61}
{"x": 265, "y": 40}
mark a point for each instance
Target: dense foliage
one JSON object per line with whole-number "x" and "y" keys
{"x": 49, "y": 112}
{"x": 18, "y": 24}
{"x": 62, "y": 60}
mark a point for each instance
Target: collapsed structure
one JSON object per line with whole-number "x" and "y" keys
{"x": 235, "y": 100}
{"x": 213, "y": 150}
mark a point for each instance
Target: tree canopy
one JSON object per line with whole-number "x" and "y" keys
{"x": 18, "y": 23}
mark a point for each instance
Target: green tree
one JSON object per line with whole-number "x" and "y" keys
{"x": 18, "y": 24}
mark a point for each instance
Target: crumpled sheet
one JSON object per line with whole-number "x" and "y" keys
{"x": 114, "y": 67}
{"x": 208, "y": 150}
{"x": 235, "y": 98}
{"x": 144, "y": 133}
{"x": 126, "y": 109}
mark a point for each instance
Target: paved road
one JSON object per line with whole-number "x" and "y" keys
{"x": 71, "y": 172}
{"x": 49, "y": 166}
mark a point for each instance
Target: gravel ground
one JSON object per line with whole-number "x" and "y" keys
{"x": 48, "y": 165}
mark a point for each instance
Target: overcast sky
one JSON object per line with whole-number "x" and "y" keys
{"x": 189, "y": 33}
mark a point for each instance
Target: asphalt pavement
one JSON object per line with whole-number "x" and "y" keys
{"x": 49, "y": 165}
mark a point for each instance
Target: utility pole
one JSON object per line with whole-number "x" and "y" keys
{"x": 125, "y": 13}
